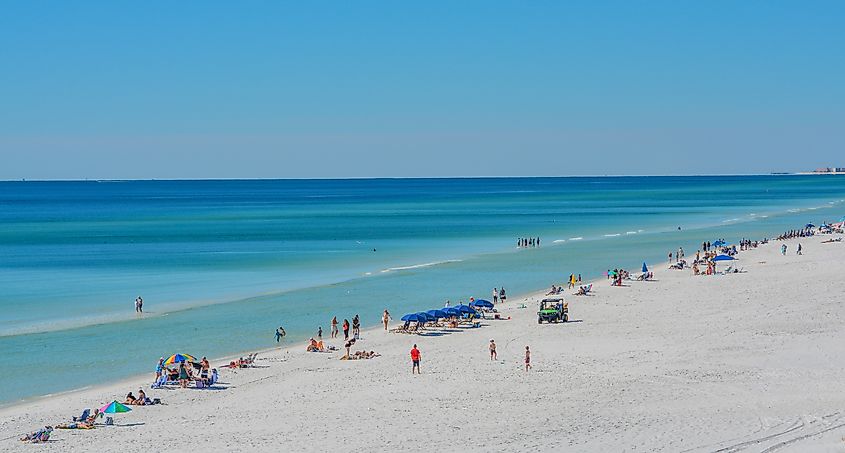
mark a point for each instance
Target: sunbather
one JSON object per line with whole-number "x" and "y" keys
{"x": 130, "y": 399}
{"x": 76, "y": 425}
{"x": 42, "y": 435}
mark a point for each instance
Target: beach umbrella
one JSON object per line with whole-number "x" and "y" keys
{"x": 645, "y": 268}
{"x": 425, "y": 317}
{"x": 465, "y": 309}
{"x": 482, "y": 303}
{"x": 809, "y": 225}
{"x": 176, "y": 358}
{"x": 437, "y": 314}
{"x": 114, "y": 407}
{"x": 452, "y": 311}
{"x": 412, "y": 317}
{"x": 724, "y": 258}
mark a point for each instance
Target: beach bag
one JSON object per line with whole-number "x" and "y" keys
{"x": 109, "y": 421}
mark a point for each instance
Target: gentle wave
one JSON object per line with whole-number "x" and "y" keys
{"x": 630, "y": 232}
{"x": 576, "y": 239}
{"x": 418, "y": 266}
{"x": 613, "y": 235}
{"x": 557, "y": 241}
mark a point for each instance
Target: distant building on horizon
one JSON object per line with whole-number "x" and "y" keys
{"x": 829, "y": 170}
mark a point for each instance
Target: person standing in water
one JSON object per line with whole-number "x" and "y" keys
{"x": 320, "y": 333}
{"x": 139, "y": 305}
{"x": 495, "y": 295}
{"x": 385, "y": 318}
{"x": 334, "y": 327}
{"x": 280, "y": 332}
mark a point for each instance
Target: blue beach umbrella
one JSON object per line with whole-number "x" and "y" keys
{"x": 466, "y": 309}
{"x": 645, "y": 268}
{"x": 810, "y": 225}
{"x": 412, "y": 317}
{"x": 437, "y": 314}
{"x": 724, "y": 258}
{"x": 452, "y": 311}
{"x": 482, "y": 303}
{"x": 425, "y": 317}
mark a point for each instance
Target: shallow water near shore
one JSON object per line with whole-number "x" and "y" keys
{"x": 220, "y": 264}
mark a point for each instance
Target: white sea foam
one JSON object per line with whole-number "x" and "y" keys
{"x": 417, "y": 266}
{"x": 556, "y": 241}
{"x": 576, "y": 239}
{"x": 613, "y": 235}
{"x": 630, "y": 232}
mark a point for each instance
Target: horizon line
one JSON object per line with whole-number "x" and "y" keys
{"x": 345, "y": 178}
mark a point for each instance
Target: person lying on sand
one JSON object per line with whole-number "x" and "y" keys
{"x": 130, "y": 399}
{"x": 42, "y": 435}
{"x": 76, "y": 425}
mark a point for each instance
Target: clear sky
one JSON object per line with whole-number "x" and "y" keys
{"x": 118, "y": 89}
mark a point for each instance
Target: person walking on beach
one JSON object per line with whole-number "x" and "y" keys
{"x": 385, "y": 318}
{"x": 356, "y": 327}
{"x": 159, "y": 369}
{"x": 799, "y": 250}
{"x": 345, "y": 329}
{"x": 783, "y": 250}
{"x": 280, "y": 332}
{"x": 334, "y": 327}
{"x": 415, "y": 360}
{"x": 492, "y": 350}
{"x": 527, "y": 358}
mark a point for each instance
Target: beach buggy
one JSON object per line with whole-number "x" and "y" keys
{"x": 553, "y": 309}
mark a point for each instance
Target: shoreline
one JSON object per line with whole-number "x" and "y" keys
{"x": 617, "y": 338}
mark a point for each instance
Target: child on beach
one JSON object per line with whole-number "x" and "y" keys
{"x": 527, "y": 358}
{"x": 492, "y": 350}
{"x": 415, "y": 360}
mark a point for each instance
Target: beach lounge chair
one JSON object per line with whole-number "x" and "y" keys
{"x": 160, "y": 382}
{"x": 84, "y": 416}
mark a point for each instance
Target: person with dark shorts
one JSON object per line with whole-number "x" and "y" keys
{"x": 527, "y": 358}
{"x": 415, "y": 360}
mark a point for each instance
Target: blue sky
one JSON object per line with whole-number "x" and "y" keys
{"x": 474, "y": 88}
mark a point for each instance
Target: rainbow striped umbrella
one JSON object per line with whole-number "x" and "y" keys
{"x": 176, "y": 358}
{"x": 113, "y": 408}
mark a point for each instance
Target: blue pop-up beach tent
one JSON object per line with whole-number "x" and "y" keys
{"x": 724, "y": 258}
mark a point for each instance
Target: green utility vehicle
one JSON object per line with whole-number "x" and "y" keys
{"x": 553, "y": 309}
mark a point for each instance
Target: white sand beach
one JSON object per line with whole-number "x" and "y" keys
{"x": 742, "y": 362}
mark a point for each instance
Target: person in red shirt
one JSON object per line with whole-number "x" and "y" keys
{"x": 415, "y": 359}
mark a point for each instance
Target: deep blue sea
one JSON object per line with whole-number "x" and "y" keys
{"x": 221, "y": 264}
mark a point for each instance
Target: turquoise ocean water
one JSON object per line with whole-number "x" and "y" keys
{"x": 220, "y": 264}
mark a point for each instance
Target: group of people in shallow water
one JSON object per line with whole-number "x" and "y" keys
{"x": 528, "y": 242}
